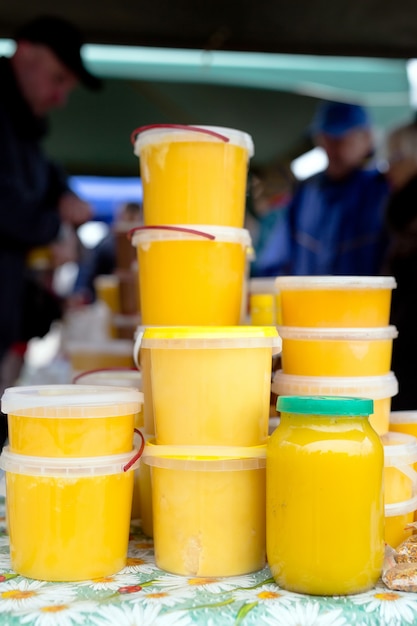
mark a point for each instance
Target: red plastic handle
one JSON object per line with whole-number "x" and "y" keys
{"x": 196, "y": 129}
{"x": 138, "y": 453}
{"x": 191, "y": 231}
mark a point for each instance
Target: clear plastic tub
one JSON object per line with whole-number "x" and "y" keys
{"x": 209, "y": 385}
{"x": 193, "y": 174}
{"x": 68, "y": 519}
{"x": 400, "y": 485}
{"x": 335, "y": 301}
{"x": 191, "y": 275}
{"x": 84, "y": 355}
{"x": 71, "y": 420}
{"x": 380, "y": 389}
{"x": 404, "y": 422}
{"x": 337, "y": 351}
{"x": 208, "y": 509}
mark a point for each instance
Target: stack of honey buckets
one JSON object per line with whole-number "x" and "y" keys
{"x": 336, "y": 341}
{"x": 206, "y": 376}
{"x": 69, "y": 479}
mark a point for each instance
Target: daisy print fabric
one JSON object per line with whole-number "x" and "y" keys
{"x": 141, "y": 594}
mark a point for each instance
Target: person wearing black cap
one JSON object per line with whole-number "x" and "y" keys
{"x": 334, "y": 223}
{"x": 35, "y": 198}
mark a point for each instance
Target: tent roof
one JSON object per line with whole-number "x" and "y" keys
{"x": 376, "y": 28}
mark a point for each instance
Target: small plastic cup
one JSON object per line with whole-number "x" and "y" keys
{"x": 71, "y": 420}
{"x": 380, "y": 389}
{"x": 68, "y": 519}
{"x": 209, "y": 385}
{"x": 400, "y": 485}
{"x": 208, "y": 509}
{"x": 100, "y": 354}
{"x": 193, "y": 174}
{"x": 335, "y": 301}
{"x": 337, "y": 351}
{"x": 191, "y": 275}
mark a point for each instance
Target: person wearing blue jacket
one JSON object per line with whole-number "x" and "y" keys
{"x": 334, "y": 224}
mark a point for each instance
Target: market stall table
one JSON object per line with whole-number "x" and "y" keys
{"x": 143, "y": 595}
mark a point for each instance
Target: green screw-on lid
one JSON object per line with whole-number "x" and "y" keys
{"x": 325, "y": 405}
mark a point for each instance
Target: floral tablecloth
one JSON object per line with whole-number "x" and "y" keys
{"x": 143, "y": 595}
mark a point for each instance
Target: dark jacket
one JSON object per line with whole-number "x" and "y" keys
{"x": 330, "y": 227}
{"x": 402, "y": 264}
{"x": 30, "y": 186}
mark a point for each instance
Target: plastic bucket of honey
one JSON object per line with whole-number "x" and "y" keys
{"x": 71, "y": 420}
{"x": 191, "y": 275}
{"x": 404, "y": 422}
{"x": 380, "y": 389}
{"x": 193, "y": 174}
{"x": 400, "y": 485}
{"x": 68, "y": 518}
{"x": 335, "y": 301}
{"x": 209, "y": 385}
{"x": 208, "y": 508}
{"x": 337, "y": 351}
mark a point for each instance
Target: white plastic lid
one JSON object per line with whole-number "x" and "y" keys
{"x": 323, "y": 334}
{"x": 374, "y": 387}
{"x": 72, "y": 467}
{"x": 117, "y": 377}
{"x": 403, "y": 417}
{"x": 205, "y": 458}
{"x": 335, "y": 282}
{"x": 58, "y": 400}
{"x": 262, "y": 285}
{"x": 399, "y": 449}
{"x": 173, "y": 132}
{"x": 209, "y": 337}
{"x": 112, "y": 346}
{"x": 184, "y": 232}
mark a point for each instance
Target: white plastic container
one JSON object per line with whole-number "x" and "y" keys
{"x": 337, "y": 351}
{"x": 191, "y": 275}
{"x": 193, "y": 174}
{"x": 68, "y": 518}
{"x": 71, "y": 420}
{"x": 380, "y": 389}
{"x": 335, "y": 301}
{"x": 400, "y": 484}
{"x": 208, "y": 508}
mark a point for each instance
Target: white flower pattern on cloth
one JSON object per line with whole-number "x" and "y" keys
{"x": 143, "y": 595}
{"x": 58, "y": 614}
{"x": 25, "y": 594}
{"x": 392, "y": 607}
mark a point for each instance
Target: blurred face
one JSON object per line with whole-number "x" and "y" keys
{"x": 401, "y": 166}
{"x": 345, "y": 153}
{"x": 44, "y": 80}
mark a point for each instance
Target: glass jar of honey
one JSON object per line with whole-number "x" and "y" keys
{"x": 325, "y": 510}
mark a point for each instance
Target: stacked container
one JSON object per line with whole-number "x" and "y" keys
{"x": 206, "y": 377}
{"x": 336, "y": 339}
{"x": 69, "y": 479}
{"x": 210, "y": 389}
{"x": 337, "y": 342}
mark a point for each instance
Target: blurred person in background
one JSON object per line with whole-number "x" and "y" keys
{"x": 35, "y": 198}
{"x": 102, "y": 259}
{"x": 334, "y": 223}
{"x": 402, "y": 259}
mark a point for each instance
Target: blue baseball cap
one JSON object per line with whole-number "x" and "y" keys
{"x": 338, "y": 118}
